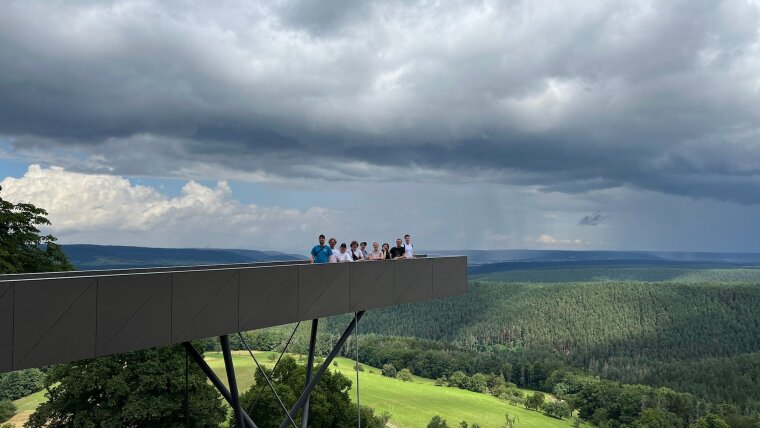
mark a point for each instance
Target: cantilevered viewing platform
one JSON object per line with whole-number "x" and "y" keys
{"x": 67, "y": 316}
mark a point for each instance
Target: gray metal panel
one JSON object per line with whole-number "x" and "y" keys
{"x": 268, "y": 296}
{"x": 449, "y": 276}
{"x": 413, "y": 280}
{"x": 54, "y": 321}
{"x": 322, "y": 290}
{"x": 134, "y": 312}
{"x": 204, "y": 304}
{"x": 371, "y": 285}
{"x": 6, "y": 327}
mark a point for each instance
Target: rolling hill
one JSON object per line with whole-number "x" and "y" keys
{"x": 94, "y": 257}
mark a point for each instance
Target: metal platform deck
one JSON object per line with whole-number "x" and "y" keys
{"x": 67, "y": 316}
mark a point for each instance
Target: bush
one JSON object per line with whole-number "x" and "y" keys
{"x": 7, "y": 410}
{"x": 389, "y": 370}
{"x": 556, "y": 409}
{"x": 535, "y": 401}
{"x": 359, "y": 366}
{"x": 513, "y": 399}
{"x": 437, "y": 422}
{"x": 21, "y": 383}
{"x": 710, "y": 420}
{"x": 404, "y": 375}
{"x": 441, "y": 381}
{"x": 459, "y": 379}
{"x": 657, "y": 418}
{"x": 561, "y": 389}
{"x": 478, "y": 383}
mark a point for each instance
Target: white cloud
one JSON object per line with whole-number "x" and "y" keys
{"x": 106, "y": 209}
{"x": 548, "y": 240}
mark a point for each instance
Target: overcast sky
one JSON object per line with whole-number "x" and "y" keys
{"x": 508, "y": 124}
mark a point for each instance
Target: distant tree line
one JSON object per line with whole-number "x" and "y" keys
{"x": 603, "y": 402}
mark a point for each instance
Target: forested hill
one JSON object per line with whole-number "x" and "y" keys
{"x": 535, "y": 257}
{"x": 88, "y": 257}
{"x": 697, "y": 330}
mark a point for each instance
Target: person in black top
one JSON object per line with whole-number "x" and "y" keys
{"x": 397, "y": 252}
{"x": 386, "y": 251}
{"x": 356, "y": 254}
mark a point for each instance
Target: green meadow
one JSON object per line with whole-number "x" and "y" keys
{"x": 25, "y": 407}
{"x": 410, "y": 404}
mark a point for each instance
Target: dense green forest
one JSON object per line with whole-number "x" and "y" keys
{"x": 693, "y": 330}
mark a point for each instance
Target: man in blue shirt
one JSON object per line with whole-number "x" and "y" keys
{"x": 321, "y": 253}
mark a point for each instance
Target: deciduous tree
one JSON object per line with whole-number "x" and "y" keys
{"x": 22, "y": 247}
{"x": 134, "y": 389}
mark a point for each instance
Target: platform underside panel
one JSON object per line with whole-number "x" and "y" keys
{"x": 268, "y": 297}
{"x": 6, "y": 327}
{"x": 54, "y": 320}
{"x": 371, "y": 285}
{"x": 413, "y": 281}
{"x": 449, "y": 277}
{"x": 204, "y": 304}
{"x": 60, "y": 317}
{"x": 323, "y": 290}
{"x": 133, "y": 315}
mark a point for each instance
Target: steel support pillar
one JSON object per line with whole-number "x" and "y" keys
{"x": 236, "y": 409}
{"x": 215, "y": 380}
{"x": 313, "y": 382}
{"x": 309, "y": 365}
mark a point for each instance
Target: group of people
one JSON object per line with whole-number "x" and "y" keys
{"x": 322, "y": 253}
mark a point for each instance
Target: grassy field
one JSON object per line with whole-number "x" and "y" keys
{"x": 410, "y": 404}
{"x": 25, "y": 407}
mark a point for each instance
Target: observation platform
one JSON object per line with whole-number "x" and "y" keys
{"x": 60, "y": 317}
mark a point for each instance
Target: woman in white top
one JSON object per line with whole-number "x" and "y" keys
{"x": 356, "y": 253}
{"x": 343, "y": 256}
{"x": 375, "y": 254}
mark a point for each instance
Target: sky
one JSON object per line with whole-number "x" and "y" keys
{"x": 620, "y": 125}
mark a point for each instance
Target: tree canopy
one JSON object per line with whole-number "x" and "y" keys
{"x": 135, "y": 389}
{"x": 329, "y": 406}
{"x": 22, "y": 247}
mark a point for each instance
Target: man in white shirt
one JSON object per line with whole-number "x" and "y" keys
{"x": 343, "y": 256}
{"x": 408, "y": 248}
{"x": 333, "y": 250}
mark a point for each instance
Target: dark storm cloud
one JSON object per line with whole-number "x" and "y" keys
{"x": 593, "y": 219}
{"x": 567, "y": 97}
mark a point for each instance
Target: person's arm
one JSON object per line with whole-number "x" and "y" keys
{"x": 311, "y": 256}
